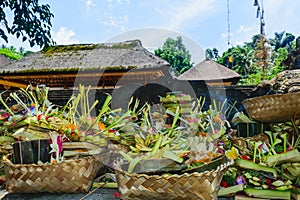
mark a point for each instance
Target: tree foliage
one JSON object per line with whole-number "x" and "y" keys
{"x": 175, "y": 52}
{"x": 260, "y": 59}
{"x": 284, "y": 40}
{"x": 31, "y": 21}
{"x": 212, "y": 54}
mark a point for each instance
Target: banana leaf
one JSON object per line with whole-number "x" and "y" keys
{"x": 268, "y": 194}
{"x": 293, "y": 168}
{"x": 155, "y": 166}
{"x": 245, "y": 164}
{"x": 290, "y": 156}
{"x": 230, "y": 190}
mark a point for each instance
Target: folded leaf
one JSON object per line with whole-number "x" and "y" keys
{"x": 245, "y": 164}
{"x": 290, "y": 156}
{"x": 171, "y": 155}
{"x": 268, "y": 194}
{"x": 230, "y": 190}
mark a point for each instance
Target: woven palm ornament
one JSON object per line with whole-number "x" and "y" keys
{"x": 273, "y": 108}
{"x": 69, "y": 176}
{"x": 187, "y": 186}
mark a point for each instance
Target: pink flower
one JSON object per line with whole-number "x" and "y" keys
{"x": 221, "y": 151}
{"x": 193, "y": 120}
{"x": 59, "y": 143}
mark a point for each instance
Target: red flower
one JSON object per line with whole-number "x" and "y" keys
{"x": 245, "y": 157}
{"x": 223, "y": 184}
{"x": 117, "y": 194}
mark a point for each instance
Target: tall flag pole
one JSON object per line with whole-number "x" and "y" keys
{"x": 260, "y": 15}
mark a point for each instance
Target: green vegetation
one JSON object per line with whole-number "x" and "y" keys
{"x": 257, "y": 60}
{"x": 176, "y": 54}
{"x": 13, "y": 55}
{"x": 48, "y": 51}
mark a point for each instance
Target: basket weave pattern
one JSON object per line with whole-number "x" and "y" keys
{"x": 273, "y": 108}
{"x": 185, "y": 186}
{"x": 68, "y": 176}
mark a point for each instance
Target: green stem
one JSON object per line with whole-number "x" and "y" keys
{"x": 5, "y": 105}
{"x": 255, "y": 150}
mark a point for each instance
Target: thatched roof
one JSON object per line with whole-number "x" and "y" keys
{"x": 4, "y": 60}
{"x": 209, "y": 70}
{"x": 108, "y": 56}
{"x": 102, "y": 65}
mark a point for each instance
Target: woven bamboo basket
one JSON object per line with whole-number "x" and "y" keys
{"x": 187, "y": 186}
{"x": 273, "y": 108}
{"x": 69, "y": 176}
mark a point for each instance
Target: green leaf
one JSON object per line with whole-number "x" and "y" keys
{"x": 171, "y": 155}
{"x": 268, "y": 194}
{"x": 290, "y": 156}
{"x": 245, "y": 164}
{"x": 156, "y": 146}
{"x": 230, "y": 190}
{"x": 133, "y": 163}
{"x": 126, "y": 156}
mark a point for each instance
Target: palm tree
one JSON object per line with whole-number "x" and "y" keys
{"x": 282, "y": 39}
{"x": 212, "y": 54}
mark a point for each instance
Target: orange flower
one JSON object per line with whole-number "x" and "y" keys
{"x": 203, "y": 134}
{"x": 72, "y": 126}
{"x": 101, "y": 126}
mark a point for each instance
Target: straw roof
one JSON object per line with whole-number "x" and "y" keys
{"x": 209, "y": 70}
{"x": 4, "y": 60}
{"x": 108, "y": 56}
{"x": 101, "y": 65}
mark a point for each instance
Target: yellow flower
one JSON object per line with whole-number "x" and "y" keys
{"x": 233, "y": 153}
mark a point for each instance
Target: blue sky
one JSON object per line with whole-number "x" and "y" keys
{"x": 201, "y": 22}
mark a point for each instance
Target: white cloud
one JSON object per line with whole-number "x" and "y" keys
{"x": 65, "y": 36}
{"x": 183, "y": 13}
{"x": 240, "y": 35}
{"x": 225, "y": 35}
{"x": 246, "y": 30}
{"x": 89, "y": 4}
{"x": 119, "y": 1}
{"x": 112, "y": 3}
{"x": 112, "y": 21}
{"x": 244, "y": 34}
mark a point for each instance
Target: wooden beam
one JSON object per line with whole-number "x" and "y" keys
{"x": 67, "y": 80}
{"x": 12, "y": 84}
